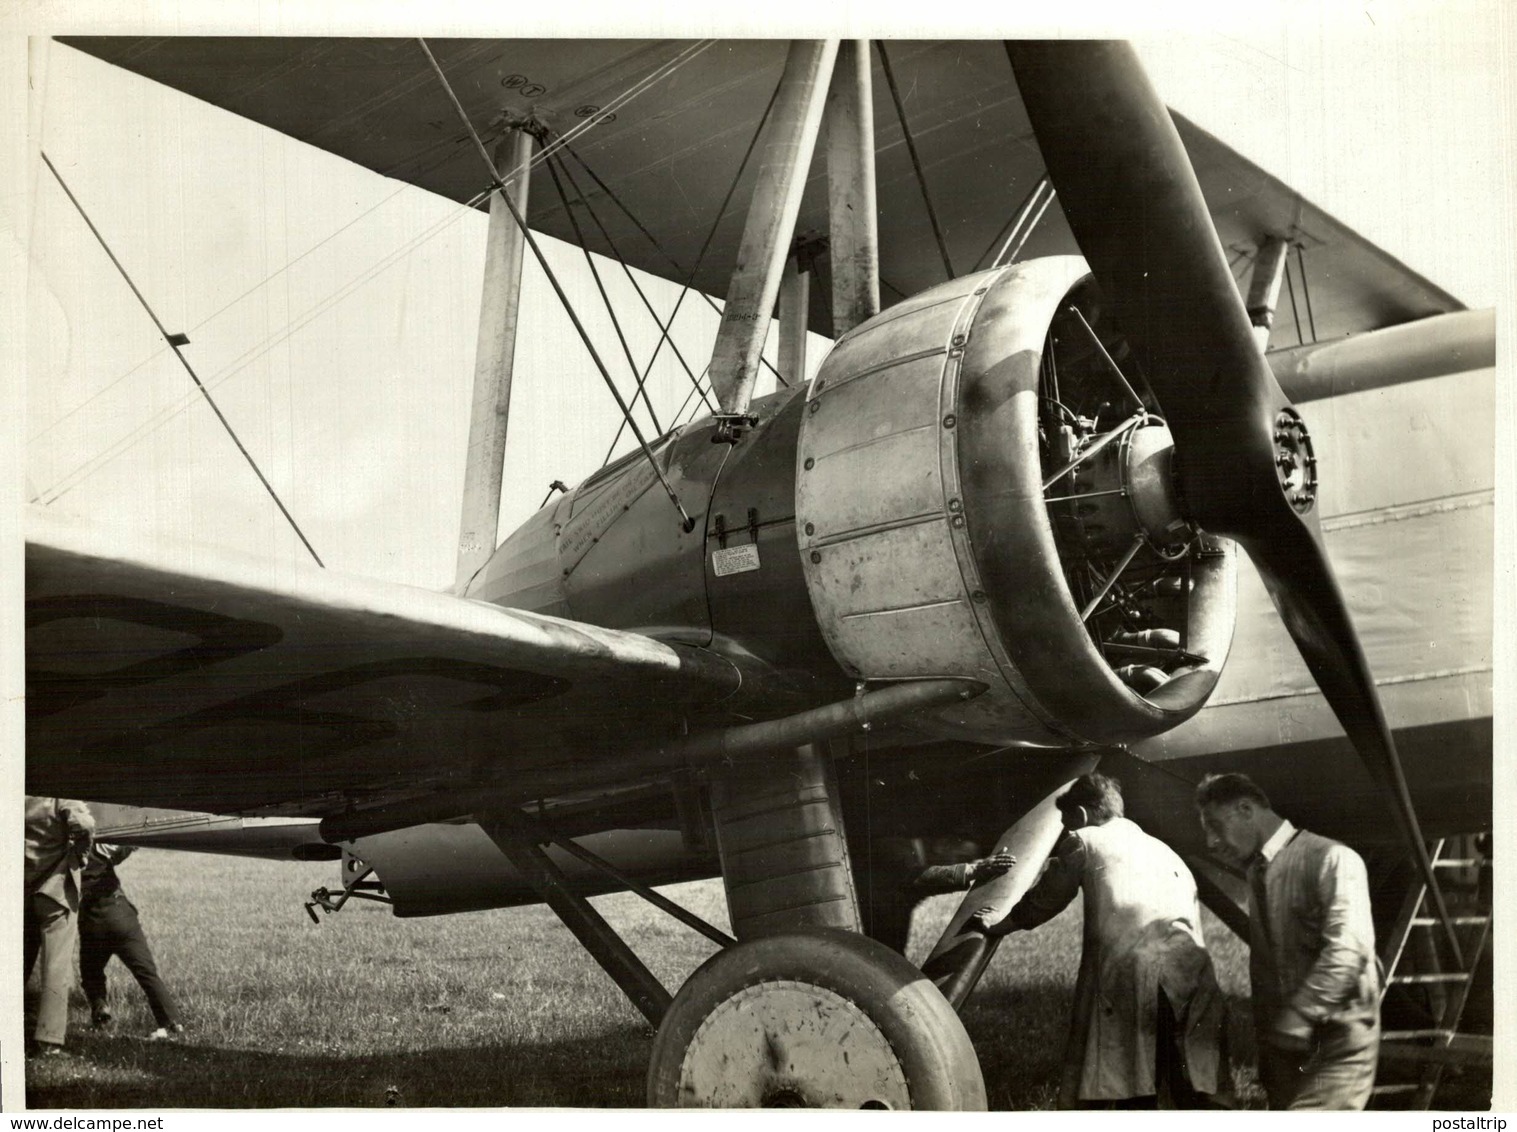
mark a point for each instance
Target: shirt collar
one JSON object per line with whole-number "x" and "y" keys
{"x": 1277, "y": 840}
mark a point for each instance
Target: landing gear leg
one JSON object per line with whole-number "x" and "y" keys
{"x": 519, "y": 842}
{"x": 806, "y": 1011}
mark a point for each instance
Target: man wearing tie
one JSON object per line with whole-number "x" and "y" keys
{"x": 1312, "y": 966}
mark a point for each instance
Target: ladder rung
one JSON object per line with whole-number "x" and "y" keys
{"x": 1451, "y": 977}
{"x": 1414, "y": 1035}
{"x": 1457, "y": 921}
{"x": 1454, "y": 1049}
{"x": 1462, "y": 863}
{"x": 1387, "y": 1090}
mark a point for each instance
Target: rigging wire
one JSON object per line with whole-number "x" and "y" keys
{"x": 626, "y": 96}
{"x": 1012, "y": 226}
{"x": 705, "y": 246}
{"x": 695, "y": 408}
{"x": 611, "y": 243}
{"x": 176, "y": 341}
{"x": 1291, "y": 289}
{"x": 499, "y": 187}
{"x": 73, "y": 478}
{"x": 615, "y": 104}
{"x": 916, "y": 161}
{"x": 721, "y": 213}
{"x": 242, "y": 361}
{"x": 407, "y": 172}
{"x": 1014, "y": 243}
{"x": 579, "y": 238}
{"x": 1306, "y": 295}
{"x": 302, "y": 319}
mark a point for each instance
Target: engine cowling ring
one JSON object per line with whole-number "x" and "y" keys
{"x": 925, "y": 534}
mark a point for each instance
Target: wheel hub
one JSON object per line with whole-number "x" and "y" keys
{"x": 792, "y": 1044}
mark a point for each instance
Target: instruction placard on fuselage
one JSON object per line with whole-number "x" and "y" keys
{"x": 735, "y": 559}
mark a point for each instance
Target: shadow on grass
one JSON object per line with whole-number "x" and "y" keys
{"x": 1018, "y": 1032}
{"x": 128, "y": 1072}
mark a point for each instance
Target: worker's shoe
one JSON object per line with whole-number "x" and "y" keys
{"x": 47, "y": 1050}
{"x": 162, "y": 1033}
{"x": 100, "y": 1015}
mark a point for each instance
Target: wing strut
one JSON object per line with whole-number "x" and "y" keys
{"x": 1264, "y": 287}
{"x": 788, "y": 145}
{"x": 500, "y": 191}
{"x": 494, "y": 356}
{"x": 519, "y": 842}
{"x": 853, "y": 206}
{"x": 794, "y": 306}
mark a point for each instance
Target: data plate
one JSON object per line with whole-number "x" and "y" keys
{"x": 735, "y": 560}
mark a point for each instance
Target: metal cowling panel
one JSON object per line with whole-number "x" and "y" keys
{"x": 876, "y": 524}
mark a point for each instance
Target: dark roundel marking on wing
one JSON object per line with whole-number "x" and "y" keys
{"x": 216, "y": 639}
{"x": 284, "y": 706}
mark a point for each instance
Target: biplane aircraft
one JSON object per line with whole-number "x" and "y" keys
{"x": 991, "y": 543}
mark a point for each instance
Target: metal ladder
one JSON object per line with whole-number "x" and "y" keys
{"x": 1425, "y": 1052}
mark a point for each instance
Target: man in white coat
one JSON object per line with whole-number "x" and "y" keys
{"x": 1148, "y": 1027}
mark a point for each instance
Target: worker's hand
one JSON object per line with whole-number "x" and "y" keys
{"x": 1290, "y": 1031}
{"x": 980, "y": 920}
{"x": 993, "y": 866}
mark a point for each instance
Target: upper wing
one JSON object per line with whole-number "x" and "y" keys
{"x": 662, "y": 128}
{"x": 201, "y": 681}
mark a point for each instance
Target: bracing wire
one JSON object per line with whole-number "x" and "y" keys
{"x": 301, "y": 320}
{"x": 174, "y": 342}
{"x": 247, "y": 358}
{"x": 683, "y": 57}
{"x": 632, "y": 279}
{"x": 721, "y": 212}
{"x": 1306, "y": 294}
{"x": 579, "y": 238}
{"x": 916, "y": 160}
{"x": 499, "y": 188}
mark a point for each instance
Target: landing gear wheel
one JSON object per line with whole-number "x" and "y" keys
{"x": 819, "y": 1018}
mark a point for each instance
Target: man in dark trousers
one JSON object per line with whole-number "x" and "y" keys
{"x": 1313, "y": 971}
{"x": 108, "y": 925}
{"x": 58, "y": 834}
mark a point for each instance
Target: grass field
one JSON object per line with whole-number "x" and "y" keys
{"x": 496, "y": 1008}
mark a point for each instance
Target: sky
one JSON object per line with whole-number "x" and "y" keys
{"x": 1395, "y": 118}
{"x": 331, "y": 312}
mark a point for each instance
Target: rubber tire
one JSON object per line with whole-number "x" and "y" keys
{"x": 923, "y": 1030}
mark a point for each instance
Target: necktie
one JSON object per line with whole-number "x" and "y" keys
{"x": 1257, "y": 889}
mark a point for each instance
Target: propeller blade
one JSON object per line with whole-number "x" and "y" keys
{"x": 1243, "y": 459}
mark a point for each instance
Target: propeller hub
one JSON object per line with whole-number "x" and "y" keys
{"x": 1149, "y": 480}
{"x": 1295, "y": 461}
